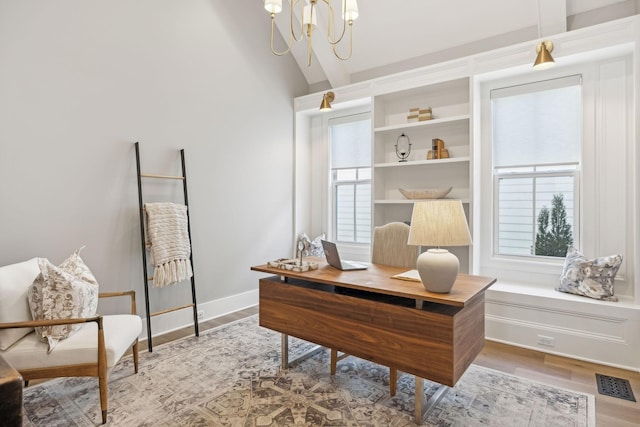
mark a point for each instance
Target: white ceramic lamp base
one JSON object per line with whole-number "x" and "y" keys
{"x": 438, "y": 269}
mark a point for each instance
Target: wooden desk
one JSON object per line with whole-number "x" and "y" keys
{"x": 380, "y": 322}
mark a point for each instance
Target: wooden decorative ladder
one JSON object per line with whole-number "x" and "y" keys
{"x": 193, "y": 304}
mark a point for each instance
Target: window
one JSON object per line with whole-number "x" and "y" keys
{"x": 350, "y": 145}
{"x": 536, "y": 136}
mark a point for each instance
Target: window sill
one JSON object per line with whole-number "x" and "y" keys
{"x": 509, "y": 291}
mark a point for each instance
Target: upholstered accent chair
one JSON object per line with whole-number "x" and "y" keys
{"x": 92, "y": 350}
{"x": 389, "y": 247}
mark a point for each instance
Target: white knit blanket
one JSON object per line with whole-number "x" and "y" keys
{"x": 168, "y": 243}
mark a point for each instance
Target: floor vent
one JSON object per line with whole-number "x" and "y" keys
{"x": 614, "y": 387}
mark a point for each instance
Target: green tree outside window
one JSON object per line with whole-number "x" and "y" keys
{"x": 555, "y": 240}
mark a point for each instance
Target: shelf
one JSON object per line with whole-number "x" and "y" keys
{"x": 426, "y": 123}
{"x": 408, "y": 201}
{"x": 423, "y": 162}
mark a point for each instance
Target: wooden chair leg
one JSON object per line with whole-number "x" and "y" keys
{"x": 102, "y": 372}
{"x": 135, "y": 356}
{"x": 393, "y": 379}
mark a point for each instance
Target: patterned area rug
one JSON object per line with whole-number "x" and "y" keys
{"x": 230, "y": 376}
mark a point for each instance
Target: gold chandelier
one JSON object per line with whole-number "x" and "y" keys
{"x": 308, "y": 13}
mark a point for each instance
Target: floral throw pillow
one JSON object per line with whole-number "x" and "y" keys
{"x": 312, "y": 247}
{"x": 590, "y": 278}
{"x": 64, "y": 292}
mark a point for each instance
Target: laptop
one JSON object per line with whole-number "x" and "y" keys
{"x": 333, "y": 258}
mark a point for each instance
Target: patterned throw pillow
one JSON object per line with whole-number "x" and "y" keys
{"x": 312, "y": 247}
{"x": 64, "y": 292}
{"x": 590, "y": 278}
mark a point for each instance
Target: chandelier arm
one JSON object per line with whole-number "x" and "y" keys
{"x": 275, "y": 52}
{"x": 292, "y": 35}
{"x": 331, "y": 29}
{"x": 335, "y": 52}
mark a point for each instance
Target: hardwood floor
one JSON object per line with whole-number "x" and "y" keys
{"x": 545, "y": 368}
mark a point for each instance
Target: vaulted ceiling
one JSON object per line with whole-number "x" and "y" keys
{"x": 390, "y": 36}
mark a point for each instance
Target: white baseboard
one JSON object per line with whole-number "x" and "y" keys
{"x": 211, "y": 309}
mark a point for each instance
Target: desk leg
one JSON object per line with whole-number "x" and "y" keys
{"x": 286, "y": 363}
{"x": 423, "y": 407}
{"x": 285, "y": 350}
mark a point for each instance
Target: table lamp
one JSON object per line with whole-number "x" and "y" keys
{"x": 438, "y": 223}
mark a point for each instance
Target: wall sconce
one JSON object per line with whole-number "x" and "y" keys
{"x": 327, "y": 99}
{"x": 544, "y": 59}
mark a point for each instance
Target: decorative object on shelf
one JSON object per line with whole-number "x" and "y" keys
{"x": 308, "y": 12}
{"x": 426, "y": 193}
{"x": 438, "y": 223}
{"x": 293, "y": 265}
{"x": 418, "y": 114}
{"x": 544, "y": 59}
{"x": 403, "y": 147}
{"x": 327, "y": 99}
{"x": 437, "y": 150}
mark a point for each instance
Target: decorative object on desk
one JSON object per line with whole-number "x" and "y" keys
{"x": 590, "y": 278}
{"x": 437, "y": 150}
{"x": 438, "y": 223}
{"x": 312, "y": 247}
{"x": 403, "y": 147}
{"x": 425, "y": 193}
{"x": 300, "y": 249}
{"x": 293, "y": 265}
{"x": 418, "y": 114}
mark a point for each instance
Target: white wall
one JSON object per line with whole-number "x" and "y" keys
{"x": 81, "y": 81}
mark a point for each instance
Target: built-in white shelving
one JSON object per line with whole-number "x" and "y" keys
{"x": 450, "y": 105}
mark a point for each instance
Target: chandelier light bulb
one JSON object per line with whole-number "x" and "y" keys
{"x": 273, "y": 6}
{"x": 309, "y": 16}
{"x": 350, "y": 10}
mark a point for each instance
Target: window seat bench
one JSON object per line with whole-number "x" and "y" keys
{"x": 564, "y": 324}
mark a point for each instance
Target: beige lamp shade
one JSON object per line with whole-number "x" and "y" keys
{"x": 439, "y": 223}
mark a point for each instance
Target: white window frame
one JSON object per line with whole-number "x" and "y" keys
{"x": 544, "y": 271}
{"x": 320, "y": 152}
